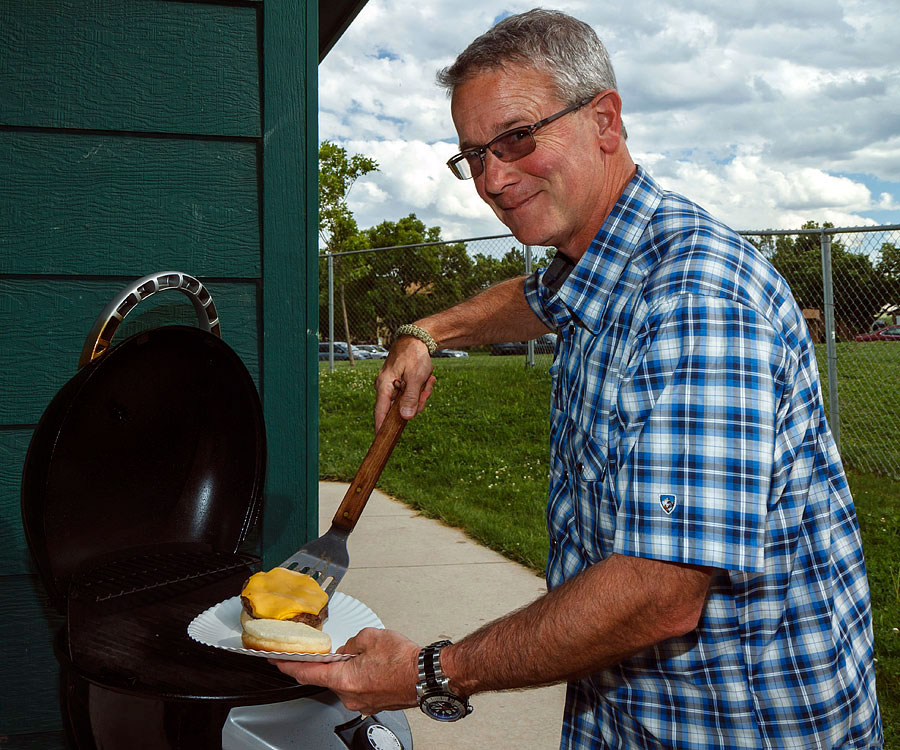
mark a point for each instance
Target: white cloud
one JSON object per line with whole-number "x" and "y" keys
{"x": 746, "y": 188}
{"x": 413, "y": 178}
{"x": 768, "y": 112}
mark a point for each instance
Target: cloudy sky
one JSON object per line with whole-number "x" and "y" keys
{"x": 767, "y": 112}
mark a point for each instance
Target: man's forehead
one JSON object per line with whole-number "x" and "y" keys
{"x": 492, "y": 101}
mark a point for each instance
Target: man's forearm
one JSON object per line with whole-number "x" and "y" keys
{"x": 604, "y": 615}
{"x": 496, "y": 314}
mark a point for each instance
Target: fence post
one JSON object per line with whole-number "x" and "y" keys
{"x": 529, "y": 347}
{"x": 834, "y": 415}
{"x": 330, "y": 312}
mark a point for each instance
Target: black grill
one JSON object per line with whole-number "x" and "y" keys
{"x": 149, "y": 572}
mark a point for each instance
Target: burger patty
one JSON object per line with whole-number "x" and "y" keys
{"x": 306, "y": 618}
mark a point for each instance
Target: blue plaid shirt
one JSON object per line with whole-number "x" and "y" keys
{"x": 687, "y": 425}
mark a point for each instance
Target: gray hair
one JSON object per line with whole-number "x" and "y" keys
{"x": 546, "y": 40}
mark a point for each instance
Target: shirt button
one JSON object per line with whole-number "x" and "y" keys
{"x": 565, "y": 476}
{"x": 579, "y": 468}
{"x": 571, "y": 329}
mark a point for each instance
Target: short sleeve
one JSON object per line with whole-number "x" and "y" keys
{"x": 537, "y": 295}
{"x": 699, "y": 402}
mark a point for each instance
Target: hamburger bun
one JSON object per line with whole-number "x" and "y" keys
{"x": 285, "y": 636}
{"x": 284, "y": 610}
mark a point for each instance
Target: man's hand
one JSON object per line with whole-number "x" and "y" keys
{"x": 408, "y": 366}
{"x": 500, "y": 313}
{"x": 381, "y": 677}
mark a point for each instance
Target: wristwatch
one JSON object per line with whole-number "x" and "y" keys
{"x": 433, "y": 688}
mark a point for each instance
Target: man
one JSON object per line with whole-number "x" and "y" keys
{"x": 707, "y": 587}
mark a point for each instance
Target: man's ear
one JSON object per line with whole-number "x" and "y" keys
{"x": 606, "y": 109}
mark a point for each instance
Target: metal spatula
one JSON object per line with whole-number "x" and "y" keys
{"x": 326, "y": 557}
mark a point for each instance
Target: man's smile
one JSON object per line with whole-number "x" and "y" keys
{"x": 515, "y": 203}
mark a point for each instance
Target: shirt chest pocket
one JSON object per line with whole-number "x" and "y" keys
{"x": 593, "y": 503}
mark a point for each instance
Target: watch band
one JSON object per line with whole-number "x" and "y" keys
{"x": 428, "y": 658}
{"x": 433, "y": 693}
{"x": 417, "y": 332}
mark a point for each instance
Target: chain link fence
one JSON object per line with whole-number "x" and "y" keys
{"x": 365, "y": 295}
{"x": 846, "y": 281}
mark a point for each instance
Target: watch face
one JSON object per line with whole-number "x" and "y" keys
{"x": 443, "y": 707}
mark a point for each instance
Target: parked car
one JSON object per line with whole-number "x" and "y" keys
{"x": 341, "y": 352}
{"x": 375, "y": 351}
{"x": 450, "y": 353}
{"x": 891, "y": 333}
{"x": 360, "y": 353}
{"x": 545, "y": 344}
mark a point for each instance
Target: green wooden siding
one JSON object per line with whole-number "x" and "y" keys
{"x": 108, "y": 204}
{"x": 29, "y": 670}
{"x": 15, "y": 560}
{"x": 130, "y": 65}
{"x": 131, "y": 142}
{"x": 45, "y": 323}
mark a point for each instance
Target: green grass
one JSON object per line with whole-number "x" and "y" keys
{"x": 477, "y": 459}
{"x": 877, "y": 501}
{"x": 868, "y": 402}
{"x": 468, "y": 459}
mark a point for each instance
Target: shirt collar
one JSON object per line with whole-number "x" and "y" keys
{"x": 585, "y": 287}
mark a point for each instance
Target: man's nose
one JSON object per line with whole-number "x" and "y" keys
{"x": 497, "y": 173}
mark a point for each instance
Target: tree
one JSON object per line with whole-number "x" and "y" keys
{"x": 888, "y": 270}
{"x": 411, "y": 284}
{"x": 798, "y": 259}
{"x": 490, "y": 270}
{"x": 858, "y": 292}
{"x": 337, "y": 174}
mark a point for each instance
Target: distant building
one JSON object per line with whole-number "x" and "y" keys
{"x": 815, "y": 324}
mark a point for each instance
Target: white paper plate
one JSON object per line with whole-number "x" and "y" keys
{"x": 220, "y": 627}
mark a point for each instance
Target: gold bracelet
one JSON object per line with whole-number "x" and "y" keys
{"x": 418, "y": 333}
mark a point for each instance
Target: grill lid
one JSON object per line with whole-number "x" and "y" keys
{"x": 159, "y": 440}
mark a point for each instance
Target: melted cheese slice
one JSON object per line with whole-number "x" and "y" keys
{"x": 280, "y": 594}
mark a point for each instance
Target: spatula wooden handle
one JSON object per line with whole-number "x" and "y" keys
{"x": 373, "y": 464}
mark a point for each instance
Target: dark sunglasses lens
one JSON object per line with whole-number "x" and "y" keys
{"x": 508, "y": 147}
{"x": 465, "y": 166}
{"x": 513, "y": 145}
{"x": 471, "y": 165}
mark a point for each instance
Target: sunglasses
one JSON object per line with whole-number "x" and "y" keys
{"x": 508, "y": 146}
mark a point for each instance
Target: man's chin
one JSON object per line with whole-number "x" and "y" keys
{"x": 527, "y": 224}
{"x": 524, "y": 231}
{"x": 532, "y": 236}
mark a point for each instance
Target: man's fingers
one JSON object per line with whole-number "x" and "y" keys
{"x": 409, "y": 404}
{"x": 426, "y": 393}
{"x": 409, "y": 365}
{"x": 384, "y": 396}
{"x": 308, "y": 672}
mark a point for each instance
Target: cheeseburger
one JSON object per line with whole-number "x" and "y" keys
{"x": 283, "y": 610}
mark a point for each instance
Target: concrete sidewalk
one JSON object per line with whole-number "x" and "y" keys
{"x": 430, "y": 581}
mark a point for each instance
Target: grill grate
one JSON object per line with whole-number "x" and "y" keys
{"x": 155, "y": 570}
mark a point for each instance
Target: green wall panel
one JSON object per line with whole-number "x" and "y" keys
{"x": 290, "y": 279}
{"x": 95, "y": 204}
{"x": 134, "y": 65}
{"x": 29, "y": 676}
{"x": 43, "y": 326}
{"x": 54, "y": 740}
{"x": 15, "y": 558}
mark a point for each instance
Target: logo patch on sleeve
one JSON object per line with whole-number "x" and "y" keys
{"x": 668, "y": 503}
